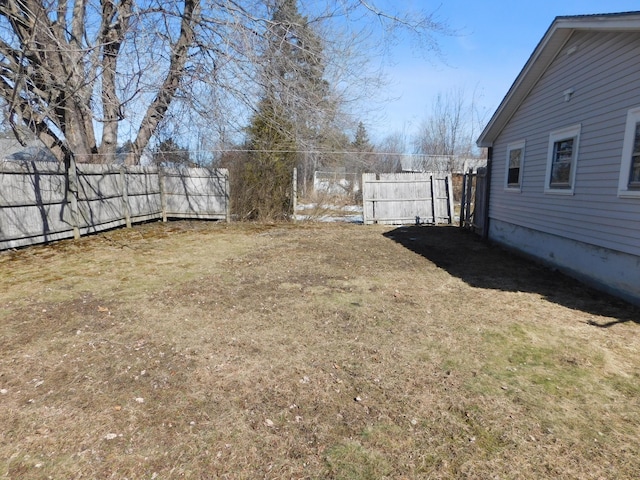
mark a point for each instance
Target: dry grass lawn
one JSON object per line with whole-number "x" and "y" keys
{"x": 204, "y": 350}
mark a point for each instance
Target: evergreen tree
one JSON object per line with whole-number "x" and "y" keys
{"x": 361, "y": 141}
{"x": 362, "y": 158}
{"x": 267, "y": 174}
{"x": 290, "y": 116}
{"x": 170, "y": 154}
{"x": 294, "y": 70}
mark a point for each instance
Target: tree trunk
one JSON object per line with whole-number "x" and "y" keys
{"x": 169, "y": 87}
{"x": 112, "y": 37}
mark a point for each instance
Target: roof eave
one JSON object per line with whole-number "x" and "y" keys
{"x": 545, "y": 52}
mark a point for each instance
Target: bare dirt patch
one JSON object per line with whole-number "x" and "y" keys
{"x": 204, "y": 350}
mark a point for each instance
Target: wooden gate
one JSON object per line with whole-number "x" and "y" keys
{"x": 473, "y": 205}
{"x": 407, "y": 198}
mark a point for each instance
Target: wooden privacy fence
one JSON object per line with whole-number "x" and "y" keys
{"x": 407, "y": 198}
{"x": 473, "y": 204}
{"x": 42, "y": 202}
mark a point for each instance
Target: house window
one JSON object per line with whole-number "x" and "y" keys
{"x": 561, "y": 163}
{"x": 634, "y": 176}
{"x": 629, "y": 183}
{"x": 561, "y": 160}
{"x": 515, "y": 159}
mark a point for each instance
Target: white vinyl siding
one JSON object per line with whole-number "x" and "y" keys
{"x": 629, "y": 183}
{"x": 515, "y": 161}
{"x": 603, "y": 73}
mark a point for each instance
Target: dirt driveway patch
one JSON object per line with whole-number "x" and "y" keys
{"x": 205, "y": 350}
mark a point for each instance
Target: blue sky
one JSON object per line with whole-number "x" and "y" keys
{"x": 495, "y": 39}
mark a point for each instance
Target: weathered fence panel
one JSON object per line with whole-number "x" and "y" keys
{"x": 33, "y": 203}
{"x": 473, "y": 206}
{"x": 480, "y": 202}
{"x": 99, "y": 198}
{"x": 407, "y": 198}
{"x": 42, "y": 202}
{"x": 143, "y": 193}
{"x": 196, "y": 193}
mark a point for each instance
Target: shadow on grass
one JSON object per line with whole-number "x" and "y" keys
{"x": 479, "y": 264}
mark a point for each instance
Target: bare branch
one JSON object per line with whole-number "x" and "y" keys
{"x": 171, "y": 83}
{"x": 120, "y": 68}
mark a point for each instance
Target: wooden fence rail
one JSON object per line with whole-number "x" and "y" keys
{"x": 42, "y": 202}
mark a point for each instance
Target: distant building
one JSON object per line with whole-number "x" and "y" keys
{"x": 440, "y": 163}
{"x": 34, "y": 151}
{"x": 336, "y": 182}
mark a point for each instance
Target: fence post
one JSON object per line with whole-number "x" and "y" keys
{"x": 163, "y": 193}
{"x": 449, "y": 188}
{"x": 294, "y": 192}
{"x": 125, "y": 196}
{"x": 433, "y": 201}
{"x": 227, "y": 197}
{"x": 365, "y": 192}
{"x": 467, "y": 207}
{"x": 463, "y": 200}
{"x": 72, "y": 195}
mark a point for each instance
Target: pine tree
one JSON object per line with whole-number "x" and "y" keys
{"x": 169, "y": 154}
{"x": 361, "y": 141}
{"x": 363, "y": 159}
{"x": 293, "y": 69}
{"x": 267, "y": 174}
{"x": 291, "y": 113}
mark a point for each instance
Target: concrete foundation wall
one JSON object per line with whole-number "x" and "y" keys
{"x": 607, "y": 270}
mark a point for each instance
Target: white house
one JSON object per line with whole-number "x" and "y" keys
{"x": 564, "y": 153}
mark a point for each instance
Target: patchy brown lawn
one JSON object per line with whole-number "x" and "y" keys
{"x": 203, "y": 350}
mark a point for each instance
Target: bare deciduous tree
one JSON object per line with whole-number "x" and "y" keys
{"x": 447, "y": 133}
{"x": 444, "y": 131}
{"x": 391, "y": 151}
{"x": 87, "y": 75}
{"x": 60, "y": 63}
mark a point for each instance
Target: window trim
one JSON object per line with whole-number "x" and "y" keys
{"x": 513, "y": 187}
{"x": 633, "y": 118}
{"x": 567, "y": 133}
